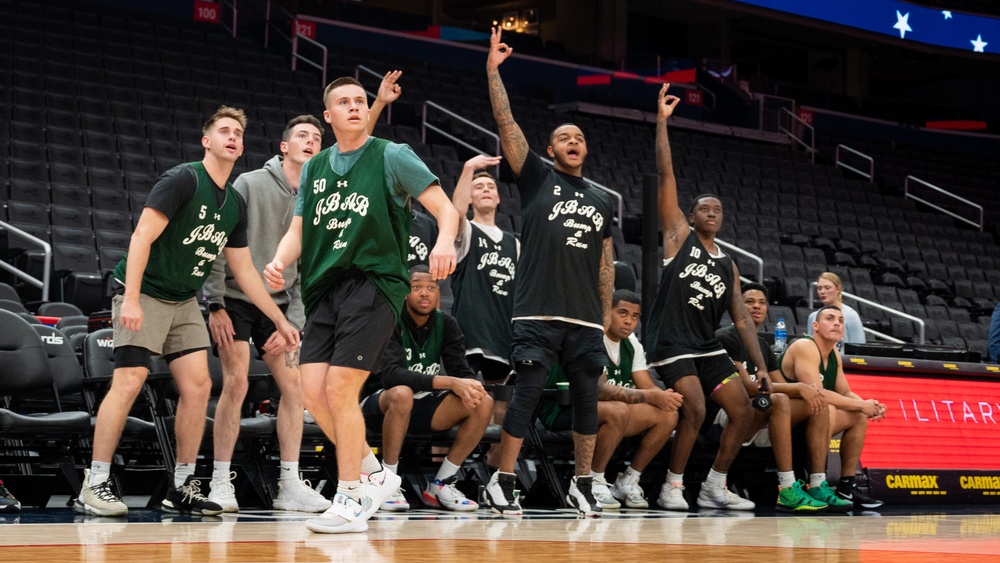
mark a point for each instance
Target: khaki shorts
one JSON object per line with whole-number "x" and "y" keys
{"x": 167, "y": 326}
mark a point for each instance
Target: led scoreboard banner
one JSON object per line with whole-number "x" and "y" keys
{"x": 940, "y": 439}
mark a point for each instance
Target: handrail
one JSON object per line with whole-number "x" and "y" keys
{"x": 231, "y": 4}
{"x": 906, "y": 193}
{"x": 811, "y": 147}
{"x": 296, "y": 55}
{"x": 750, "y": 255}
{"x": 870, "y": 303}
{"x": 871, "y": 161}
{"x": 427, "y": 125}
{"x": 357, "y": 76}
{"x": 44, "y": 283}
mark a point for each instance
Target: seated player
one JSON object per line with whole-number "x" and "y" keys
{"x": 416, "y": 396}
{"x": 815, "y": 361}
{"x": 792, "y": 403}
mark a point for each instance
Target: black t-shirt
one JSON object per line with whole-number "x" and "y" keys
{"x": 695, "y": 290}
{"x": 423, "y": 235}
{"x": 731, "y": 341}
{"x": 565, "y": 222}
{"x": 177, "y": 186}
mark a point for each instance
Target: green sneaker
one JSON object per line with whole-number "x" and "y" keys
{"x": 825, "y": 494}
{"x": 796, "y": 499}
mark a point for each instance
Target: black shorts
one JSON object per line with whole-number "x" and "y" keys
{"x": 576, "y": 347}
{"x": 350, "y": 328}
{"x": 420, "y": 417}
{"x": 710, "y": 370}
{"x": 249, "y": 323}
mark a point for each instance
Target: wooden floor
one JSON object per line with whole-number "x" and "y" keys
{"x": 560, "y": 536}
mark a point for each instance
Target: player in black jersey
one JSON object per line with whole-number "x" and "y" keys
{"x": 696, "y": 287}
{"x": 566, "y": 233}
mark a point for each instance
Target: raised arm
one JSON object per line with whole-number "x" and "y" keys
{"x": 388, "y": 92}
{"x": 675, "y": 225}
{"x": 515, "y": 146}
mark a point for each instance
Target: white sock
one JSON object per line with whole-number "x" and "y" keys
{"x": 394, "y": 467}
{"x": 100, "y": 471}
{"x": 181, "y": 472}
{"x": 288, "y": 470}
{"x": 786, "y": 479}
{"x": 370, "y": 464}
{"x": 446, "y": 470}
{"x": 675, "y": 477}
{"x": 715, "y": 480}
{"x": 632, "y": 473}
{"x": 220, "y": 470}
{"x": 350, "y": 488}
{"x": 816, "y": 479}
{"x": 595, "y": 475}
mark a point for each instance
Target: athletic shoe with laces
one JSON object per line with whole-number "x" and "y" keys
{"x": 796, "y": 499}
{"x": 223, "y": 493}
{"x": 499, "y": 494}
{"x": 823, "y": 493}
{"x": 859, "y": 499}
{"x": 581, "y": 495}
{"x": 188, "y": 498}
{"x": 7, "y": 501}
{"x": 396, "y": 502}
{"x": 444, "y": 494}
{"x": 603, "y": 496}
{"x": 627, "y": 490}
{"x": 99, "y": 499}
{"x": 672, "y": 497}
{"x": 722, "y": 498}
{"x": 377, "y": 487}
{"x": 298, "y": 495}
{"x": 345, "y": 515}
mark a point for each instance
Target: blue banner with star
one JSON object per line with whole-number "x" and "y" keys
{"x": 901, "y": 20}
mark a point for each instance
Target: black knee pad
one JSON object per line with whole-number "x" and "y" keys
{"x": 133, "y": 357}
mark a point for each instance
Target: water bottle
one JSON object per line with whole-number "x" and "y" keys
{"x": 780, "y": 336}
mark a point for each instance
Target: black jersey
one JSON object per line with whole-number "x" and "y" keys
{"x": 565, "y": 222}
{"x": 423, "y": 235}
{"x": 483, "y": 287}
{"x": 695, "y": 290}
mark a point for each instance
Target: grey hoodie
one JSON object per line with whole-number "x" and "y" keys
{"x": 270, "y": 205}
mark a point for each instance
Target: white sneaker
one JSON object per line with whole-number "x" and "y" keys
{"x": 223, "y": 493}
{"x": 344, "y": 515}
{"x": 298, "y": 495}
{"x": 499, "y": 494}
{"x": 722, "y": 498}
{"x": 99, "y": 499}
{"x": 672, "y": 497}
{"x": 627, "y": 490}
{"x": 396, "y": 502}
{"x": 444, "y": 494}
{"x": 603, "y": 496}
{"x": 581, "y": 496}
{"x": 378, "y": 486}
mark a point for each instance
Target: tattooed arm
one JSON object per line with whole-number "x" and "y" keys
{"x": 675, "y": 225}
{"x": 606, "y": 280}
{"x": 515, "y": 146}
{"x": 667, "y": 400}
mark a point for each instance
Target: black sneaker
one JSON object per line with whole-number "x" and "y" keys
{"x": 188, "y": 498}
{"x": 7, "y": 501}
{"x": 581, "y": 496}
{"x": 859, "y": 499}
{"x": 499, "y": 494}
